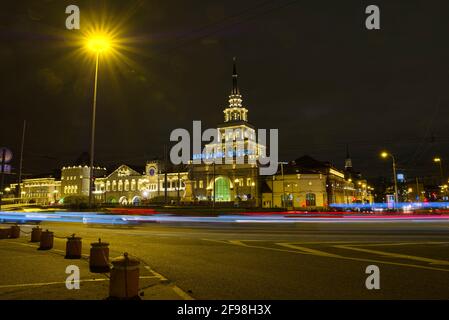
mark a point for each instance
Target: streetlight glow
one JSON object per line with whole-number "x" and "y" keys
{"x": 384, "y": 154}
{"x": 99, "y": 43}
{"x": 437, "y": 160}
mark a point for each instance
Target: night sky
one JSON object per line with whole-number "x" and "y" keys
{"x": 308, "y": 68}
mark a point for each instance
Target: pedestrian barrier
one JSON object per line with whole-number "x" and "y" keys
{"x": 99, "y": 257}
{"x": 124, "y": 281}
{"x": 36, "y": 234}
{"x": 14, "y": 232}
{"x": 73, "y": 247}
{"x": 46, "y": 242}
{"x": 4, "y": 233}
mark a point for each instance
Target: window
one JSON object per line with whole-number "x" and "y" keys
{"x": 120, "y": 185}
{"x": 133, "y": 185}
{"x": 108, "y": 186}
{"x": 114, "y": 185}
{"x": 310, "y": 200}
{"x": 248, "y": 181}
{"x": 126, "y": 185}
{"x": 201, "y": 184}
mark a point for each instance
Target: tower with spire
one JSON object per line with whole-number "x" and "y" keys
{"x": 236, "y": 136}
{"x": 235, "y": 111}
{"x": 348, "y": 160}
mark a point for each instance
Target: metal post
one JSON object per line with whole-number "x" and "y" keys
{"x": 19, "y": 182}
{"x": 165, "y": 175}
{"x": 417, "y": 190}
{"x": 395, "y": 181}
{"x": 213, "y": 201}
{"x": 2, "y": 179}
{"x": 92, "y": 141}
{"x": 283, "y": 185}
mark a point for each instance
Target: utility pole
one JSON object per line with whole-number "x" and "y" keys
{"x": 213, "y": 201}
{"x": 165, "y": 175}
{"x": 417, "y": 190}
{"x": 19, "y": 182}
{"x": 179, "y": 186}
{"x": 2, "y": 179}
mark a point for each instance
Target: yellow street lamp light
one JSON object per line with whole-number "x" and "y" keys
{"x": 99, "y": 43}
{"x": 385, "y": 154}
{"x": 437, "y": 159}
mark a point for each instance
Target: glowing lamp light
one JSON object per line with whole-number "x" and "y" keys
{"x": 384, "y": 154}
{"x": 437, "y": 160}
{"x": 99, "y": 44}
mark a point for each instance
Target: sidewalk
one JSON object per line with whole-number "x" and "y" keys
{"x": 30, "y": 274}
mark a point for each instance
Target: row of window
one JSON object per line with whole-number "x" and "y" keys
{"x": 70, "y": 189}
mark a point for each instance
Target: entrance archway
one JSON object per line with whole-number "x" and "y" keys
{"x": 222, "y": 189}
{"x": 123, "y": 201}
{"x": 136, "y": 201}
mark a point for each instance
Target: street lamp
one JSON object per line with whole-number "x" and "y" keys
{"x": 440, "y": 163}
{"x": 385, "y": 154}
{"x": 99, "y": 44}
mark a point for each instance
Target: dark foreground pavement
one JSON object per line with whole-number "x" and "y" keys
{"x": 244, "y": 261}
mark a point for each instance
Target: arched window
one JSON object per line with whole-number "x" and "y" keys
{"x": 126, "y": 185}
{"x": 133, "y": 185}
{"x": 310, "y": 200}
{"x": 114, "y": 185}
{"x": 108, "y": 186}
{"x": 120, "y": 185}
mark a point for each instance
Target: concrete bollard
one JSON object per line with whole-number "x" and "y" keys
{"x": 46, "y": 240}
{"x": 124, "y": 282}
{"x": 99, "y": 257}
{"x": 14, "y": 232}
{"x": 4, "y": 233}
{"x": 36, "y": 234}
{"x": 73, "y": 248}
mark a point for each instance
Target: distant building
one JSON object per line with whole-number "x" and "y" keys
{"x": 43, "y": 191}
{"x": 307, "y": 183}
{"x": 75, "y": 180}
{"x": 132, "y": 186}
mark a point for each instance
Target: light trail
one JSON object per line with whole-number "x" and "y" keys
{"x": 110, "y": 219}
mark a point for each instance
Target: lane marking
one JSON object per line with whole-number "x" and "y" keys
{"x": 396, "y": 255}
{"x": 396, "y": 244}
{"x": 308, "y": 250}
{"x": 42, "y": 284}
{"x": 181, "y": 293}
{"x": 335, "y": 257}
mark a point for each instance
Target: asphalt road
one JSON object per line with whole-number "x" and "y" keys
{"x": 285, "y": 261}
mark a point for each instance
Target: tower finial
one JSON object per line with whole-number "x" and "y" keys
{"x": 235, "y": 87}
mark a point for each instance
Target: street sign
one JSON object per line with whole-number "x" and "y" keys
{"x": 8, "y": 154}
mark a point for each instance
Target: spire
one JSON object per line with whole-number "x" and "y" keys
{"x": 348, "y": 161}
{"x": 235, "y": 87}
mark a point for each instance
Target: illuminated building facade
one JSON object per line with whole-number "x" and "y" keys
{"x": 308, "y": 183}
{"x": 75, "y": 180}
{"x": 43, "y": 191}
{"x": 128, "y": 186}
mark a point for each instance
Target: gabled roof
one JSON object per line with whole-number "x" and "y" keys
{"x": 124, "y": 170}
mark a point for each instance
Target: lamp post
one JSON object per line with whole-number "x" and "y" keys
{"x": 440, "y": 163}
{"x": 98, "y": 44}
{"x": 385, "y": 155}
{"x": 283, "y": 183}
